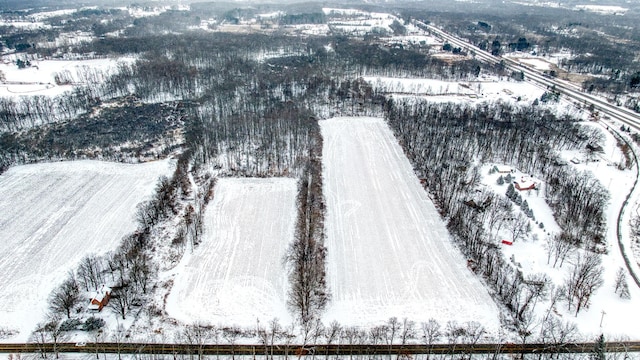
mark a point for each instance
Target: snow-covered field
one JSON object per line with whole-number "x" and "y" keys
{"x": 39, "y": 79}
{"x": 490, "y": 88}
{"x": 236, "y": 275}
{"x": 359, "y": 22}
{"x": 537, "y": 63}
{"x": 389, "y": 253}
{"x": 54, "y": 214}
{"x": 603, "y": 9}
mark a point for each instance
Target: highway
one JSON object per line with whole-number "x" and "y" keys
{"x": 299, "y": 350}
{"x": 569, "y": 90}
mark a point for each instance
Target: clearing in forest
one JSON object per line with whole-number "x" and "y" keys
{"x": 54, "y": 214}
{"x": 236, "y": 275}
{"x": 389, "y": 252}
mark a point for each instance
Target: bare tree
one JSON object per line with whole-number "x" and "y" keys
{"x": 584, "y": 280}
{"x": 351, "y": 335}
{"x": 231, "y": 334}
{"x": 519, "y": 226}
{"x": 407, "y": 331}
{"x": 275, "y": 332}
{"x": 557, "y": 333}
{"x": 120, "y": 301}
{"x": 558, "y": 248}
{"x": 118, "y": 338}
{"x": 473, "y": 332}
{"x": 377, "y": 334}
{"x": 49, "y": 333}
{"x": 333, "y": 334}
{"x": 524, "y": 327}
{"x": 621, "y": 286}
{"x": 90, "y": 272}
{"x": 197, "y": 334}
{"x": 430, "y": 333}
{"x": 64, "y": 298}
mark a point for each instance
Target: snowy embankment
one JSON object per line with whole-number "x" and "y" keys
{"x": 54, "y": 214}
{"x": 236, "y": 275}
{"x": 389, "y": 252}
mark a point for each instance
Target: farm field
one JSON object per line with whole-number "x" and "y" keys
{"x": 389, "y": 253}
{"x": 54, "y": 214}
{"x": 236, "y": 275}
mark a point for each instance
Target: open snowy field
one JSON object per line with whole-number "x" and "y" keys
{"x": 389, "y": 253}
{"x": 54, "y": 214}
{"x": 236, "y": 275}
{"x": 491, "y": 88}
{"x": 39, "y": 79}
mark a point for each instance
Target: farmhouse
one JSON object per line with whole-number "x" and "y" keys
{"x": 525, "y": 183}
{"x": 100, "y": 298}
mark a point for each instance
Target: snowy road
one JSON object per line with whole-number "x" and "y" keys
{"x": 236, "y": 275}
{"x": 389, "y": 253}
{"x": 54, "y": 214}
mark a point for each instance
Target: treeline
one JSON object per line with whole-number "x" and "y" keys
{"x": 306, "y": 257}
{"x": 445, "y": 142}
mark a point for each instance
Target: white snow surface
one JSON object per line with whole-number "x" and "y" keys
{"x": 389, "y": 252}
{"x": 537, "y": 63}
{"x": 39, "y": 79}
{"x": 54, "y": 214}
{"x": 440, "y": 90}
{"x": 236, "y": 275}
{"x": 603, "y": 9}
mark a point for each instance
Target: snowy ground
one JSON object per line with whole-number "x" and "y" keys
{"x": 490, "y": 88}
{"x": 603, "y": 9}
{"x": 620, "y": 318}
{"x": 39, "y": 79}
{"x": 54, "y": 214}
{"x": 389, "y": 253}
{"x": 236, "y": 275}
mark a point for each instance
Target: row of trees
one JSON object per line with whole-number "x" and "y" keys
{"x": 306, "y": 256}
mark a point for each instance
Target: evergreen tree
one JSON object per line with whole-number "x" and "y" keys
{"x": 500, "y": 180}
{"x": 511, "y": 191}
{"x": 517, "y": 199}
{"x": 599, "y": 349}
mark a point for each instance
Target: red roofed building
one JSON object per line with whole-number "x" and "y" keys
{"x": 100, "y": 299}
{"x": 525, "y": 183}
